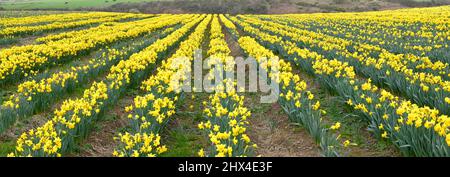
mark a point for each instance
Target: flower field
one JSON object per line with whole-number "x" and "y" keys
{"x": 109, "y": 84}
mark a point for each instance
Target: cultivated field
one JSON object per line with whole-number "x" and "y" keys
{"x": 108, "y": 84}
{"x": 219, "y": 6}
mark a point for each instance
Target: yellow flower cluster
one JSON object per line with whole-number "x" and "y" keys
{"x": 18, "y": 30}
{"x": 42, "y": 142}
{"x": 226, "y": 126}
{"x": 65, "y": 17}
{"x": 81, "y": 108}
{"x": 413, "y": 115}
{"x": 139, "y": 145}
{"x": 161, "y": 109}
{"x": 334, "y": 67}
{"x": 33, "y": 88}
{"x": 47, "y": 139}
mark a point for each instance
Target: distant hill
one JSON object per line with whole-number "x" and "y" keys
{"x": 220, "y": 6}
{"x": 270, "y": 6}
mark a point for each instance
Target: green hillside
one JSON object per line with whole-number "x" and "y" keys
{"x": 60, "y": 4}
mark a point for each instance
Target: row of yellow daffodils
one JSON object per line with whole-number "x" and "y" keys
{"x": 20, "y": 30}
{"x": 151, "y": 112}
{"x": 45, "y": 19}
{"x": 226, "y": 114}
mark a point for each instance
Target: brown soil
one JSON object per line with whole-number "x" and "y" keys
{"x": 24, "y": 125}
{"x": 369, "y": 150}
{"x": 284, "y": 9}
{"x": 276, "y": 137}
{"x": 101, "y": 143}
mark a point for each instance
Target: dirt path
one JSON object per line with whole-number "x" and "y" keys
{"x": 100, "y": 142}
{"x": 275, "y": 136}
